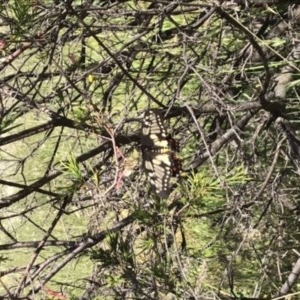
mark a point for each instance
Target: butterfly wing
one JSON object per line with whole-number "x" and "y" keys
{"x": 158, "y": 170}
{"x": 154, "y": 135}
{"x": 157, "y": 153}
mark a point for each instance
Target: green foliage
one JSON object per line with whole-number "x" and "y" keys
{"x": 22, "y": 10}
{"x": 81, "y": 114}
{"x": 230, "y": 228}
{"x": 117, "y": 252}
{"x": 7, "y": 121}
{"x": 207, "y": 190}
{"x": 72, "y": 168}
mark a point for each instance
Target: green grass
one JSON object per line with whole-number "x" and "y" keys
{"x": 22, "y": 227}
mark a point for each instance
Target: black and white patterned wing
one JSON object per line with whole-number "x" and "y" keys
{"x": 158, "y": 168}
{"x": 154, "y": 135}
{"x": 156, "y": 152}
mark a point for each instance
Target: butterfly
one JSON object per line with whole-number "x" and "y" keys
{"x": 159, "y": 151}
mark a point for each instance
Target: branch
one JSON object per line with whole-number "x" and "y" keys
{"x": 34, "y": 187}
{"x": 224, "y": 139}
{"x": 87, "y": 243}
{"x": 290, "y": 282}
